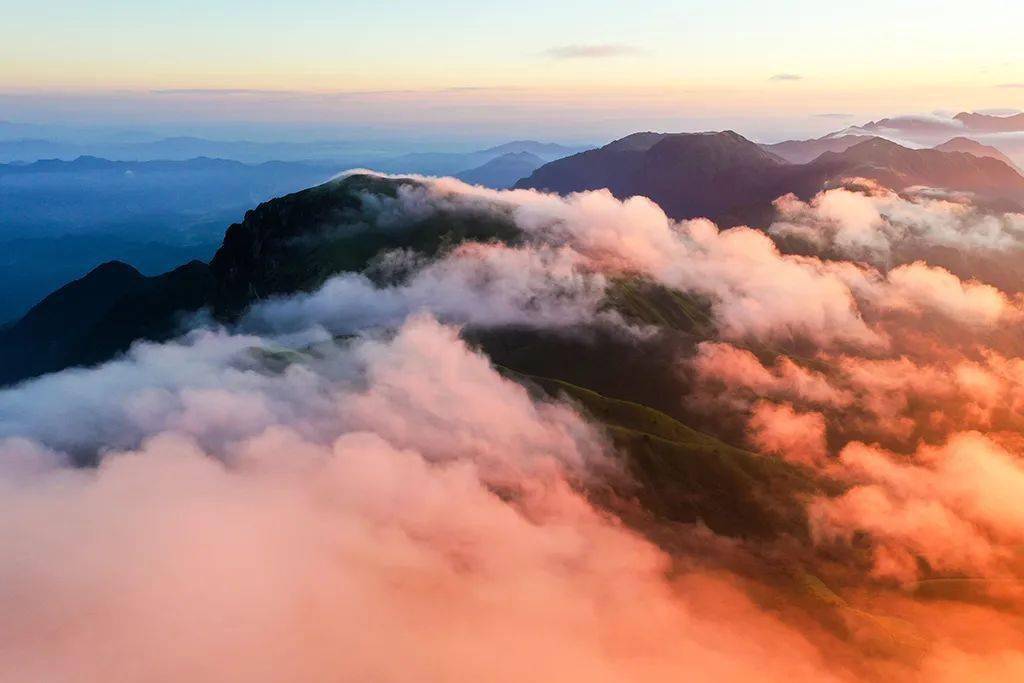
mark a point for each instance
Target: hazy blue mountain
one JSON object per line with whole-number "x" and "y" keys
{"x": 60, "y": 219}
{"x": 28, "y": 149}
{"x": 454, "y": 163}
{"x": 545, "y": 150}
{"x": 504, "y": 171}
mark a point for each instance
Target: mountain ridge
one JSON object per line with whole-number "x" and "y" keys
{"x": 732, "y": 180}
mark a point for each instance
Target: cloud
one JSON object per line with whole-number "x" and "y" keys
{"x": 340, "y": 486}
{"x": 383, "y": 501}
{"x": 918, "y": 285}
{"x": 594, "y": 51}
{"x": 869, "y": 222}
{"x": 797, "y": 437}
{"x": 834, "y": 116}
{"x": 953, "y": 505}
{"x": 478, "y": 284}
{"x": 224, "y": 91}
{"x": 1010, "y": 85}
{"x": 786, "y": 77}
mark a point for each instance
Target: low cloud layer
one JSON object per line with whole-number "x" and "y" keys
{"x": 396, "y": 508}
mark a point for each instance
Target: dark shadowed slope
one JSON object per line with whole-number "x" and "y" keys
{"x": 99, "y": 315}
{"x": 698, "y": 174}
{"x": 296, "y": 242}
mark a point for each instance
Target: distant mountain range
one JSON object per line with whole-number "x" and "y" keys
{"x": 58, "y": 197}
{"x": 385, "y": 155}
{"x": 725, "y": 177}
{"x": 991, "y": 130}
{"x": 990, "y": 123}
{"x": 185, "y": 148}
{"x": 804, "y": 151}
{"x": 455, "y": 164}
{"x": 970, "y": 122}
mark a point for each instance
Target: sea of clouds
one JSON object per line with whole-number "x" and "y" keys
{"x": 340, "y": 487}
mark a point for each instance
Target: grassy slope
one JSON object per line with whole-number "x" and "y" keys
{"x": 685, "y": 475}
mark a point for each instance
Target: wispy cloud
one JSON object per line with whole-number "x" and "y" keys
{"x": 599, "y": 51}
{"x": 1010, "y": 85}
{"x": 222, "y": 91}
{"x": 832, "y": 115}
{"x": 786, "y": 77}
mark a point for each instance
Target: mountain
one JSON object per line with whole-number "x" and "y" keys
{"x": 28, "y": 149}
{"x": 32, "y": 267}
{"x": 290, "y": 244}
{"x": 153, "y": 214}
{"x": 804, "y": 151}
{"x": 688, "y": 174}
{"x": 899, "y": 167}
{"x": 434, "y": 163}
{"x": 731, "y": 180}
{"x": 455, "y": 163}
{"x": 549, "y": 151}
{"x": 99, "y": 315}
{"x": 294, "y": 243}
{"x": 961, "y": 144}
{"x": 504, "y": 171}
{"x": 990, "y": 123}
{"x": 911, "y": 125}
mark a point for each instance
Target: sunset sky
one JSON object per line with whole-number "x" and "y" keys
{"x": 618, "y": 65}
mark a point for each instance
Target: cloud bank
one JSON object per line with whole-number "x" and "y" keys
{"x": 341, "y": 486}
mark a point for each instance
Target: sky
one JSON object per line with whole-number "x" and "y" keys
{"x": 567, "y": 69}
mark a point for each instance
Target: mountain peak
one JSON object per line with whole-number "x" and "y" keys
{"x": 504, "y": 171}
{"x": 969, "y": 146}
{"x": 114, "y": 269}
